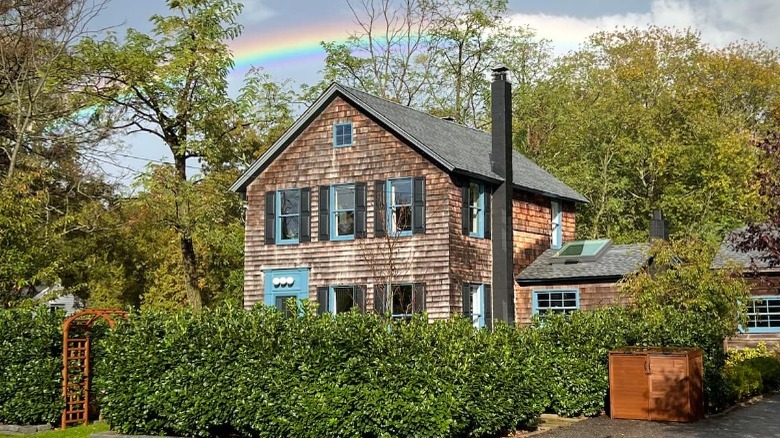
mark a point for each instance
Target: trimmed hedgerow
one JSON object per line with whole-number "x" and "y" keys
{"x": 30, "y": 366}
{"x": 227, "y": 371}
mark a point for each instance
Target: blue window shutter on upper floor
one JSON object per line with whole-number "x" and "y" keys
{"x": 324, "y": 214}
{"x": 270, "y": 218}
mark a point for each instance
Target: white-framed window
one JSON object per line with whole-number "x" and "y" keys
{"x": 342, "y": 134}
{"x": 556, "y": 224}
{"x": 477, "y": 292}
{"x": 556, "y": 301}
{"x": 763, "y": 314}
{"x": 342, "y": 212}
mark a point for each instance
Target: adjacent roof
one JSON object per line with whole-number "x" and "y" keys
{"x": 455, "y": 147}
{"x": 727, "y": 253}
{"x": 614, "y": 263}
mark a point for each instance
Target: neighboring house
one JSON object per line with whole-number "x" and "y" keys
{"x": 368, "y": 203}
{"x": 764, "y": 307}
{"x": 50, "y": 295}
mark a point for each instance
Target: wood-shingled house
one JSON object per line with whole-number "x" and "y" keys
{"x": 364, "y": 202}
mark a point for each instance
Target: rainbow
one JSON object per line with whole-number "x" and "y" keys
{"x": 289, "y": 47}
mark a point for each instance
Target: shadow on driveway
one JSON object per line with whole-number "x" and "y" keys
{"x": 759, "y": 420}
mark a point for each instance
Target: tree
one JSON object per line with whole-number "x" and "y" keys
{"x": 639, "y": 120}
{"x": 35, "y": 104}
{"x": 763, "y": 237}
{"x": 429, "y": 54}
{"x": 679, "y": 279}
{"x": 173, "y": 86}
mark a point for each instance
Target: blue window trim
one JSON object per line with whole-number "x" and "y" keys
{"x": 535, "y": 301}
{"x": 556, "y": 222}
{"x": 279, "y": 239}
{"x": 299, "y": 288}
{"x": 390, "y": 204}
{"x": 480, "y": 233}
{"x": 334, "y": 211}
{"x": 760, "y": 329}
{"x": 400, "y": 315}
{"x": 481, "y": 298}
{"x": 336, "y": 127}
{"x": 332, "y": 296}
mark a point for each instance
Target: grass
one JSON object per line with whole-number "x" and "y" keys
{"x": 71, "y": 432}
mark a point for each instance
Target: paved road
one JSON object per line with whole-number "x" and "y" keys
{"x": 759, "y": 420}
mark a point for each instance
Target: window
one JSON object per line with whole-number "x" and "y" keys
{"x": 342, "y": 219}
{"x": 556, "y": 236}
{"x": 764, "y": 314}
{"x": 402, "y": 301}
{"x": 342, "y": 299}
{"x": 581, "y": 251}
{"x": 556, "y": 301}
{"x": 283, "y": 285}
{"x": 399, "y": 206}
{"x": 342, "y": 134}
{"x": 476, "y": 293}
{"x": 288, "y": 214}
{"x": 476, "y": 200}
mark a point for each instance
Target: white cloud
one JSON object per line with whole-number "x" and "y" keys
{"x": 719, "y": 21}
{"x": 255, "y": 11}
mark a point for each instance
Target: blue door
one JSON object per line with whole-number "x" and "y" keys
{"x": 283, "y": 284}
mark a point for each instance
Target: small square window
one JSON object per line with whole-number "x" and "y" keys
{"x": 342, "y": 299}
{"x": 342, "y": 134}
{"x": 402, "y": 301}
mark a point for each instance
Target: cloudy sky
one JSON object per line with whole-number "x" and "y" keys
{"x": 283, "y": 36}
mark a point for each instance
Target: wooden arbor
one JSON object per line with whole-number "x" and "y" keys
{"x": 75, "y": 362}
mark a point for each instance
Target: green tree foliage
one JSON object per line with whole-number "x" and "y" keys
{"x": 639, "y": 120}
{"x": 680, "y": 278}
{"x": 172, "y": 84}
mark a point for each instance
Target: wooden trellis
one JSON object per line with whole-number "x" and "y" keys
{"x": 75, "y": 362}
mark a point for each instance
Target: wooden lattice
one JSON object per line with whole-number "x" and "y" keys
{"x": 75, "y": 362}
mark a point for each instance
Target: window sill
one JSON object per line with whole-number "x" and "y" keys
{"x": 342, "y": 238}
{"x": 287, "y": 242}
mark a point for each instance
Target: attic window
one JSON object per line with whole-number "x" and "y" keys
{"x": 342, "y": 134}
{"x": 582, "y": 251}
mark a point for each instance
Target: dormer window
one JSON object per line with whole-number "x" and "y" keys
{"x": 342, "y": 134}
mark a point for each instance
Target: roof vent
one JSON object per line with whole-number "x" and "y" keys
{"x": 581, "y": 251}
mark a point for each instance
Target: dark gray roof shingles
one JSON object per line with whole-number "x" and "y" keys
{"x": 617, "y": 261}
{"x": 727, "y": 253}
{"x": 466, "y": 149}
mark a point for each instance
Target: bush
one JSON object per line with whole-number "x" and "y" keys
{"x": 30, "y": 366}
{"x": 751, "y": 371}
{"x": 228, "y": 371}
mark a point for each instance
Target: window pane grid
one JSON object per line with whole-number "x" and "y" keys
{"x": 343, "y": 210}
{"x": 289, "y": 214}
{"x": 556, "y": 301}
{"x": 342, "y": 134}
{"x": 764, "y": 313}
{"x": 475, "y": 208}
{"x": 400, "y": 205}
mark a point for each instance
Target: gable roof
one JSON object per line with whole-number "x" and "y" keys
{"x": 617, "y": 261}
{"x": 454, "y": 147}
{"x": 727, "y": 253}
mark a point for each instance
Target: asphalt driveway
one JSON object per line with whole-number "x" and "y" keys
{"x": 759, "y": 420}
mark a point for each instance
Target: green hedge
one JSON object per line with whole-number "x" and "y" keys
{"x": 576, "y": 348}
{"x": 228, "y": 371}
{"x": 30, "y": 366}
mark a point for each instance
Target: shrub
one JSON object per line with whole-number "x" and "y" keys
{"x": 750, "y": 371}
{"x": 30, "y": 366}
{"x": 228, "y": 371}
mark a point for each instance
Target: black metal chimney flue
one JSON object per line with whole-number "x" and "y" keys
{"x": 501, "y": 218}
{"x": 659, "y": 228}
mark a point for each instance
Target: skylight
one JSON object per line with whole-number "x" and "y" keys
{"x": 581, "y": 251}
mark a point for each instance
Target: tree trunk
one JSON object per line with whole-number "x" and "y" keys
{"x": 189, "y": 259}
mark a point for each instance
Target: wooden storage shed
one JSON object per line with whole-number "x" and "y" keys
{"x": 656, "y": 384}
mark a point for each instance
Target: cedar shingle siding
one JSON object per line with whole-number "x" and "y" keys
{"x": 437, "y": 253}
